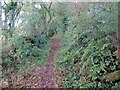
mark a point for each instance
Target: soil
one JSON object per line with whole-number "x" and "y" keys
{"x": 45, "y": 75}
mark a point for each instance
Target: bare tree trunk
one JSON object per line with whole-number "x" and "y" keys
{"x": 45, "y": 12}
{"x": 118, "y": 47}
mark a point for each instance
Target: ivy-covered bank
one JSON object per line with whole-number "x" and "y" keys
{"x": 89, "y": 56}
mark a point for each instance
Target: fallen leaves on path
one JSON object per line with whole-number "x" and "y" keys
{"x": 44, "y": 76}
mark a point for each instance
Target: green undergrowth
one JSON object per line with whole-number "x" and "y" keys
{"x": 88, "y": 57}
{"x": 87, "y": 65}
{"x": 22, "y": 55}
{"x": 58, "y": 36}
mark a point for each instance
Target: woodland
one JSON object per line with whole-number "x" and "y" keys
{"x": 59, "y": 45}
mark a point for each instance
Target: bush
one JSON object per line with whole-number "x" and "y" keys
{"x": 24, "y": 52}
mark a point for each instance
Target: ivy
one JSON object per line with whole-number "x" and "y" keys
{"x": 87, "y": 49}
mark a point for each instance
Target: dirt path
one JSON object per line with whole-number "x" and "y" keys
{"x": 45, "y": 75}
{"x": 48, "y": 73}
